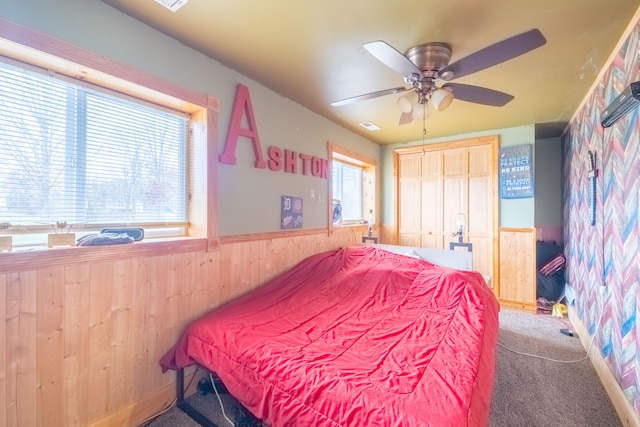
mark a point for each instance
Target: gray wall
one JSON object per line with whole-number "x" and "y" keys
{"x": 248, "y": 198}
{"x": 548, "y": 170}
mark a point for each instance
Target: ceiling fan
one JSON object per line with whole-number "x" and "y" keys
{"x": 425, "y": 65}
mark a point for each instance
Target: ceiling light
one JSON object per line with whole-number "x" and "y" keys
{"x": 405, "y": 104}
{"x": 420, "y": 111}
{"x": 441, "y": 99}
{"x": 172, "y": 5}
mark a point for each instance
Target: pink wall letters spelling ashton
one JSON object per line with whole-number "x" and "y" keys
{"x": 279, "y": 159}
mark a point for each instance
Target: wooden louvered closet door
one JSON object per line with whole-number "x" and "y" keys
{"x": 436, "y": 184}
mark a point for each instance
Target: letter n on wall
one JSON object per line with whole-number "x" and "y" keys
{"x": 241, "y": 107}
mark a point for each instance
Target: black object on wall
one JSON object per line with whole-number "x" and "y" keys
{"x": 625, "y": 102}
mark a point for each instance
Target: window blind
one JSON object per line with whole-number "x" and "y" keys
{"x": 347, "y": 187}
{"x": 74, "y": 154}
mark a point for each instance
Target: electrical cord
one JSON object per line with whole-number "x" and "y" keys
{"x": 586, "y": 356}
{"x": 215, "y": 389}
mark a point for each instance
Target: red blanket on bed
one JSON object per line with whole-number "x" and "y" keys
{"x": 355, "y": 337}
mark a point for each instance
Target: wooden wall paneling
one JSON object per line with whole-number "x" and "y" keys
{"x": 158, "y": 268}
{"x": 388, "y": 234}
{"x": 3, "y": 349}
{"x": 517, "y": 286}
{"x": 82, "y": 341}
{"x": 99, "y": 338}
{"x": 187, "y": 289}
{"x": 76, "y": 350}
{"x": 12, "y": 309}
{"x": 172, "y": 323}
{"x": 49, "y": 343}
{"x": 121, "y": 346}
{"x": 483, "y": 256}
{"x": 209, "y": 281}
{"x": 259, "y": 256}
{"x": 140, "y": 357}
{"x": 21, "y": 348}
{"x": 231, "y": 274}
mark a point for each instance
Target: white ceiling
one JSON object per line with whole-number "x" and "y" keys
{"x": 311, "y": 52}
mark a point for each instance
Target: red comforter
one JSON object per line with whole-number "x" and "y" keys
{"x": 355, "y": 337}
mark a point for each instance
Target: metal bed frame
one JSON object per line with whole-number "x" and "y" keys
{"x": 245, "y": 418}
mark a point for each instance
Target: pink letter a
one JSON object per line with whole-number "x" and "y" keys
{"x": 242, "y": 104}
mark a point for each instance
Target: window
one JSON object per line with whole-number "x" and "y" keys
{"x": 352, "y": 186}
{"x": 347, "y": 188}
{"x": 75, "y": 154}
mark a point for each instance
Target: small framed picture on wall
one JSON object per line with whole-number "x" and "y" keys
{"x": 290, "y": 212}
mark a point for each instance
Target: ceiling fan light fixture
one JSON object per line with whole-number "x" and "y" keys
{"x": 441, "y": 99}
{"x": 420, "y": 111}
{"x": 405, "y": 104}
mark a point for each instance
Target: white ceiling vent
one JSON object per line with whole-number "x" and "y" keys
{"x": 172, "y": 5}
{"x": 369, "y": 126}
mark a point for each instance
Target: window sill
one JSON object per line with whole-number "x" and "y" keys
{"x": 355, "y": 224}
{"x": 61, "y": 256}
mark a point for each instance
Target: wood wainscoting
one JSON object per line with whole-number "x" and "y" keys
{"x": 517, "y": 283}
{"x": 84, "y": 328}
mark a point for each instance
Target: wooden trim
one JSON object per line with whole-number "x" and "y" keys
{"x": 396, "y": 198}
{"x": 333, "y": 147}
{"x": 520, "y": 305}
{"x": 27, "y": 45}
{"x": 212, "y": 166}
{"x": 330, "y": 189}
{"x": 57, "y": 257}
{"x": 238, "y": 238}
{"x": 460, "y": 143}
{"x": 496, "y": 217}
{"x": 623, "y": 407}
{"x": 519, "y": 230}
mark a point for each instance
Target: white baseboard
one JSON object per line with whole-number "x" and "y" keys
{"x": 623, "y": 407}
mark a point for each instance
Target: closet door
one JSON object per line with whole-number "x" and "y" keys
{"x": 479, "y": 230}
{"x": 444, "y": 181}
{"x": 409, "y": 199}
{"x": 454, "y": 190}
{"x": 431, "y": 232}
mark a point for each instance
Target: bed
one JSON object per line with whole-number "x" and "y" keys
{"x": 360, "y": 336}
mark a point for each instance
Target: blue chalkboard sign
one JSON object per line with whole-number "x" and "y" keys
{"x": 516, "y": 172}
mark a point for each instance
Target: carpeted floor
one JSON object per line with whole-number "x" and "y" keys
{"x": 528, "y": 391}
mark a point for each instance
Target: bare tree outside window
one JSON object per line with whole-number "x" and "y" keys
{"x": 75, "y": 154}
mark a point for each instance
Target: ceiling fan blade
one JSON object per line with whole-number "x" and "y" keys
{"x": 370, "y": 96}
{"x": 479, "y": 95}
{"x": 392, "y": 58}
{"x": 495, "y": 54}
{"x": 405, "y": 118}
